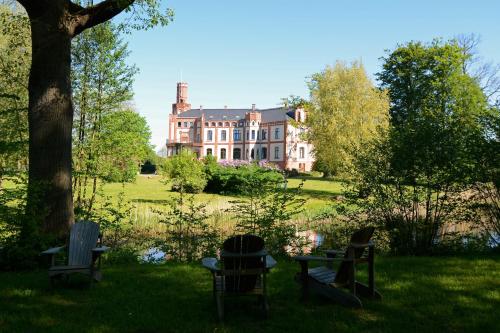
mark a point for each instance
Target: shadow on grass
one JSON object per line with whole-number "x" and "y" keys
{"x": 420, "y": 294}
{"x": 320, "y": 194}
{"x": 151, "y": 201}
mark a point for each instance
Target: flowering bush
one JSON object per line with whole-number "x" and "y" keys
{"x": 233, "y": 163}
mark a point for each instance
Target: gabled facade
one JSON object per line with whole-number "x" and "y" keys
{"x": 240, "y": 134}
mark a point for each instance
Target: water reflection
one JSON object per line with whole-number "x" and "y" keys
{"x": 153, "y": 255}
{"x": 310, "y": 241}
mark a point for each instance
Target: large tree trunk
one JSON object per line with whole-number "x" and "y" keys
{"x": 50, "y": 121}
{"x": 50, "y": 114}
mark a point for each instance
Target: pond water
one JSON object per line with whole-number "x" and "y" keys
{"x": 153, "y": 255}
{"x": 313, "y": 238}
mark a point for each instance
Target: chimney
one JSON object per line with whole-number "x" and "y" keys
{"x": 201, "y": 107}
{"x": 225, "y": 107}
{"x": 253, "y": 107}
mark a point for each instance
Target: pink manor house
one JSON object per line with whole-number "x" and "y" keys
{"x": 240, "y": 134}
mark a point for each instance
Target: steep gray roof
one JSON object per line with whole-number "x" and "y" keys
{"x": 268, "y": 115}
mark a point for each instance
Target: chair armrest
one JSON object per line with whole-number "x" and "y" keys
{"x": 53, "y": 250}
{"x": 270, "y": 262}
{"x": 100, "y": 249}
{"x": 210, "y": 264}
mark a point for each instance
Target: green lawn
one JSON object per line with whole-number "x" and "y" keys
{"x": 421, "y": 294}
{"x": 149, "y": 189}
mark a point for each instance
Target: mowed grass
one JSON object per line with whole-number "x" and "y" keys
{"x": 421, "y": 294}
{"x": 150, "y": 190}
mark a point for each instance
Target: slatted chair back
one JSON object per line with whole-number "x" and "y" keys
{"x": 83, "y": 238}
{"x": 361, "y": 236}
{"x": 240, "y": 267}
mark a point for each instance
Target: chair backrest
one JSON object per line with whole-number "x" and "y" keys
{"x": 83, "y": 238}
{"x": 240, "y": 267}
{"x": 361, "y": 236}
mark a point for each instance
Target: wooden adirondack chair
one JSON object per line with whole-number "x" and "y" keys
{"x": 241, "y": 270}
{"x": 330, "y": 283}
{"x": 83, "y": 253}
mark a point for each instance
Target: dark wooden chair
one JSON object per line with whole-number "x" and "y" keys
{"x": 84, "y": 253}
{"x": 242, "y": 270}
{"x": 332, "y": 284}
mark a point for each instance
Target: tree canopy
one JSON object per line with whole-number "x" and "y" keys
{"x": 346, "y": 110}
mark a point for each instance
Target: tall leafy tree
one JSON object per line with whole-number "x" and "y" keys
{"x": 346, "y": 110}
{"x": 416, "y": 175}
{"x": 102, "y": 83}
{"x": 54, "y": 24}
{"x": 436, "y": 112}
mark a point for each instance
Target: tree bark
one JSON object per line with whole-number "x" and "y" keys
{"x": 50, "y": 118}
{"x": 50, "y": 115}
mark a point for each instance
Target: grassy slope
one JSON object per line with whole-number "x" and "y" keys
{"x": 450, "y": 294}
{"x": 150, "y": 190}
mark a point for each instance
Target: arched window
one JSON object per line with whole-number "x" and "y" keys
{"x": 237, "y": 153}
{"x": 223, "y": 153}
{"x": 213, "y": 124}
{"x": 219, "y": 124}
{"x": 264, "y": 153}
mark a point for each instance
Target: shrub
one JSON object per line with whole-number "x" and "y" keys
{"x": 266, "y": 210}
{"x": 188, "y": 237}
{"x": 415, "y": 213}
{"x": 233, "y": 177}
{"x": 185, "y": 172}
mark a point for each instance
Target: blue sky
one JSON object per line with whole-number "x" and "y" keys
{"x": 237, "y": 53}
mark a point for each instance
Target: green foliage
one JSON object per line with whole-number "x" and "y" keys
{"x": 436, "y": 113}
{"x": 114, "y": 215}
{"x": 266, "y": 210}
{"x": 124, "y": 145}
{"x": 413, "y": 179}
{"x": 416, "y": 217}
{"x": 236, "y": 180}
{"x": 185, "y": 172}
{"x": 110, "y": 140}
{"x": 188, "y": 237}
{"x": 345, "y": 110}
{"x": 15, "y": 54}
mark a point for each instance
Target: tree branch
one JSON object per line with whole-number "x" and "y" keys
{"x": 102, "y": 12}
